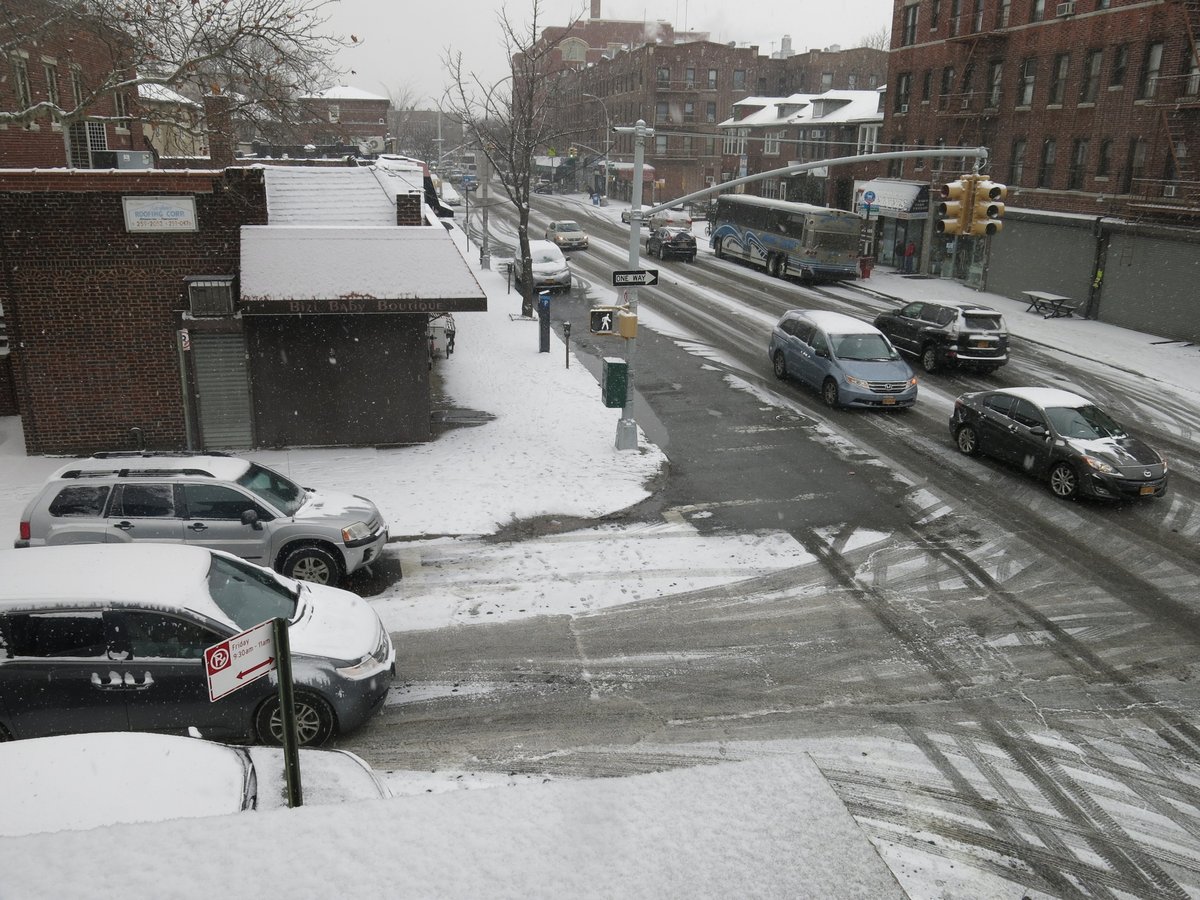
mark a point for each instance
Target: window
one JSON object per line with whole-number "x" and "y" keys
{"x": 851, "y": 82}
{"x": 739, "y": 79}
{"x": 689, "y": 111}
{"x": 121, "y": 106}
{"x": 826, "y": 81}
{"x": 868, "y": 139}
{"x": 661, "y": 112}
{"x": 152, "y": 635}
{"x": 77, "y": 87}
{"x": 1104, "y": 163}
{"x": 977, "y": 23}
{"x": 1135, "y": 167}
{"x": 903, "y": 89}
{"x": 143, "y": 501}
{"x": 1003, "y": 13}
{"x": 335, "y": 113}
{"x": 689, "y": 76}
{"x": 947, "y": 81}
{"x": 1090, "y": 88}
{"x": 74, "y": 634}
{"x": 908, "y": 31}
{"x": 710, "y": 112}
{"x": 1025, "y": 82}
{"x": 687, "y": 146}
{"x": 1151, "y": 65}
{"x": 771, "y": 143}
{"x": 1046, "y": 169}
{"x": 1120, "y": 63}
{"x": 710, "y": 146}
{"x": 210, "y": 296}
{"x": 919, "y": 162}
{"x": 664, "y": 75}
{"x": 21, "y": 83}
{"x": 1039, "y": 11}
{"x": 935, "y": 12}
{"x": 79, "y": 500}
{"x": 1079, "y": 150}
{"x": 995, "y": 86}
{"x": 927, "y": 85}
{"x": 872, "y": 82}
{"x": 52, "y": 87}
{"x": 712, "y": 79}
{"x": 1191, "y": 73}
{"x": 1016, "y": 165}
{"x": 660, "y": 144}
{"x": 1058, "y": 78}
{"x": 215, "y": 501}
{"x": 955, "y": 15}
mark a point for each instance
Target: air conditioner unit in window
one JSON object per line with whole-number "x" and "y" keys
{"x": 1066, "y": 9}
{"x": 210, "y": 296}
{"x": 903, "y": 107}
{"x": 1169, "y": 190}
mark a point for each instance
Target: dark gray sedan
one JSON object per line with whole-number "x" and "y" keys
{"x": 1059, "y": 436}
{"x": 664, "y": 242}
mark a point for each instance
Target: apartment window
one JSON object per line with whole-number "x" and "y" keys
{"x": 710, "y": 112}
{"x": 77, "y": 87}
{"x": 1016, "y": 165}
{"x": 660, "y": 145}
{"x": 687, "y": 146}
{"x": 729, "y": 144}
{"x": 712, "y": 79}
{"x": 771, "y": 143}
{"x": 1151, "y": 65}
{"x": 689, "y": 76}
{"x": 955, "y": 14}
{"x": 661, "y": 112}
{"x": 977, "y": 23}
{"x": 1191, "y": 74}
{"x": 935, "y": 12}
{"x": 1046, "y": 168}
{"x": 995, "y": 82}
{"x": 1104, "y": 162}
{"x": 1120, "y": 63}
{"x": 710, "y": 146}
{"x": 1039, "y": 10}
{"x": 947, "y": 81}
{"x": 739, "y": 79}
{"x": 335, "y": 113}
{"x": 1103, "y": 4}
{"x": 1025, "y": 82}
{"x": 1090, "y": 88}
{"x": 1135, "y": 167}
{"x": 908, "y": 32}
{"x": 1079, "y": 151}
{"x": 1058, "y": 78}
{"x": 868, "y": 139}
{"x": 742, "y": 135}
{"x": 52, "y": 87}
{"x": 851, "y": 82}
{"x": 1003, "y": 13}
{"x": 826, "y": 81}
{"x": 903, "y": 90}
{"x": 121, "y": 106}
{"x": 927, "y": 85}
{"x": 664, "y": 75}
{"x": 21, "y": 83}
{"x": 689, "y": 111}
{"x": 919, "y": 162}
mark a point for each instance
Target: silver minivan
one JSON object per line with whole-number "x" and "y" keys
{"x": 850, "y": 362}
{"x": 220, "y": 502}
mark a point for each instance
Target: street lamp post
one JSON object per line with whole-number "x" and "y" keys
{"x": 607, "y": 140}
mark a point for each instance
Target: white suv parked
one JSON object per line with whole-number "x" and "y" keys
{"x": 220, "y": 502}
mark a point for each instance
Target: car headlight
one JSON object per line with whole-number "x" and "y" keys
{"x": 1099, "y": 465}
{"x": 858, "y": 382}
{"x": 356, "y": 532}
{"x": 912, "y": 382}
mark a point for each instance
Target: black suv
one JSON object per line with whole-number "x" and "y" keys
{"x": 948, "y": 334}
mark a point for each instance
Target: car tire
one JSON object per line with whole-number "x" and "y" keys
{"x": 662, "y": 252}
{"x": 315, "y": 721}
{"x": 773, "y": 265}
{"x": 779, "y": 364}
{"x": 967, "y": 440}
{"x": 1064, "y": 481}
{"x": 691, "y": 257}
{"x": 311, "y": 562}
{"x": 929, "y": 358}
{"x": 829, "y": 393}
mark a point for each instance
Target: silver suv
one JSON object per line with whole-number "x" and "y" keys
{"x": 216, "y": 501}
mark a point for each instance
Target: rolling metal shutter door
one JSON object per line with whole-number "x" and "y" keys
{"x": 222, "y": 391}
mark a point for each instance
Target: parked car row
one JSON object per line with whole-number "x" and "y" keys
{"x": 1051, "y": 434}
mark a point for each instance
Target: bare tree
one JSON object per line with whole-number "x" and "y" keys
{"x": 263, "y": 54}
{"x": 877, "y": 40}
{"x": 513, "y": 119}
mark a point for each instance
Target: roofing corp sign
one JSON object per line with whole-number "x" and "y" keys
{"x": 160, "y": 213}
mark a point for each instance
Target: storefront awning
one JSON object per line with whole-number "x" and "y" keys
{"x": 893, "y": 199}
{"x": 341, "y": 270}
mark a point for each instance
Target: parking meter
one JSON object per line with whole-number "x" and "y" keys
{"x": 544, "y": 322}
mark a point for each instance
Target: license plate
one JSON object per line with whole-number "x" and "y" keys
{"x": 889, "y": 401}
{"x": 1146, "y": 489}
{"x": 982, "y": 345}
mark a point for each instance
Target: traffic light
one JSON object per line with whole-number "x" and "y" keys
{"x": 955, "y": 208}
{"x": 988, "y": 207}
{"x": 603, "y": 319}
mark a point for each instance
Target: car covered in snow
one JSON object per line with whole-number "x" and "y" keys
{"x": 551, "y": 270}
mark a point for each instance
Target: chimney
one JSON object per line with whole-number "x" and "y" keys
{"x": 219, "y": 125}
{"x": 595, "y": 9}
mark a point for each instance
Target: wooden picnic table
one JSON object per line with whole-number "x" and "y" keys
{"x": 1051, "y": 306}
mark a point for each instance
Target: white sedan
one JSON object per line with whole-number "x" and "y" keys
{"x": 79, "y": 781}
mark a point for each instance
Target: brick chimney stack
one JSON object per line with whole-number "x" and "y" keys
{"x": 595, "y": 9}
{"x": 219, "y": 125}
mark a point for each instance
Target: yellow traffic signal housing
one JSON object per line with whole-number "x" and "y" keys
{"x": 955, "y": 208}
{"x": 987, "y": 208}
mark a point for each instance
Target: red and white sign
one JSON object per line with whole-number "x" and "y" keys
{"x": 239, "y": 660}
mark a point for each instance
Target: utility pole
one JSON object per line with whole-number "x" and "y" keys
{"x": 627, "y": 438}
{"x": 485, "y": 175}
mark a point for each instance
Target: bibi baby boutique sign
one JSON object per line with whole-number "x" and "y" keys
{"x": 160, "y": 213}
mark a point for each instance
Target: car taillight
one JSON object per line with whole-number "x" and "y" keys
{"x": 25, "y": 532}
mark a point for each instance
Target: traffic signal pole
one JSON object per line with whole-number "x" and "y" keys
{"x": 627, "y": 436}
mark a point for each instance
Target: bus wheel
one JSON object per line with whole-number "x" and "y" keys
{"x": 773, "y": 267}
{"x": 720, "y": 248}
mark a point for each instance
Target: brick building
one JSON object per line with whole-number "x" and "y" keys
{"x": 1091, "y": 111}
{"x": 344, "y": 115}
{"x": 256, "y": 306}
{"x": 586, "y": 42}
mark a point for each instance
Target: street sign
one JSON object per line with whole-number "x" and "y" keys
{"x": 868, "y": 197}
{"x": 603, "y": 320}
{"x": 636, "y": 276}
{"x": 240, "y": 660}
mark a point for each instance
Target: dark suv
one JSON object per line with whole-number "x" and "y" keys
{"x": 948, "y": 334}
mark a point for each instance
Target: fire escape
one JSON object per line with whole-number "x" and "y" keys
{"x": 976, "y": 106}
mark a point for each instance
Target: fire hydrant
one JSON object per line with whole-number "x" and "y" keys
{"x": 865, "y": 264}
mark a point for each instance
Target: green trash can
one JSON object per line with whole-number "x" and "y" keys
{"x": 614, "y": 382}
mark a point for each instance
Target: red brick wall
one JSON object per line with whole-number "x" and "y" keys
{"x": 8, "y": 394}
{"x": 94, "y": 308}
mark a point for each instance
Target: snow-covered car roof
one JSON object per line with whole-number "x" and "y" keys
{"x": 225, "y": 468}
{"x": 834, "y": 322}
{"x": 1047, "y": 397}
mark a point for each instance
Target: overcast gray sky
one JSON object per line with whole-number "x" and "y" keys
{"x": 403, "y": 43}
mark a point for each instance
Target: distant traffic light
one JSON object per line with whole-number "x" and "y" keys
{"x": 987, "y": 208}
{"x": 955, "y": 208}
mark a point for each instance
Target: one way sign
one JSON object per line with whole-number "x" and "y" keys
{"x": 635, "y": 276}
{"x": 239, "y": 660}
